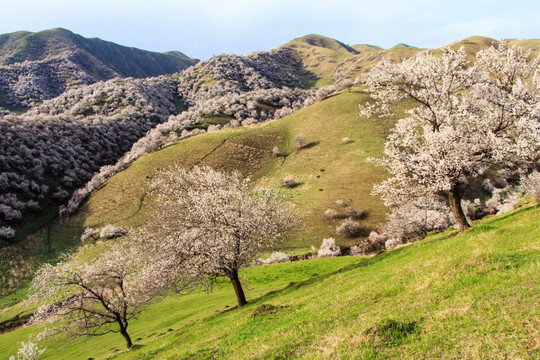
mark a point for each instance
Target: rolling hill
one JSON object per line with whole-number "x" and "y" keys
{"x": 326, "y": 171}
{"x": 318, "y": 57}
{"x": 409, "y": 286}
{"x": 39, "y": 66}
{"x": 467, "y": 296}
{"x": 356, "y": 65}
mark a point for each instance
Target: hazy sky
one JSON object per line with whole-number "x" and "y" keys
{"x": 202, "y": 28}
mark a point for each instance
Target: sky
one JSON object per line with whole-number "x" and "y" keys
{"x": 202, "y": 28}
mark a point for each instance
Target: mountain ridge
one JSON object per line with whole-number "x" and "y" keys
{"x": 54, "y": 40}
{"x": 40, "y": 66}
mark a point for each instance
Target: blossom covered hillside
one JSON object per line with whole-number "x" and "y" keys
{"x": 91, "y": 126}
{"x": 39, "y": 66}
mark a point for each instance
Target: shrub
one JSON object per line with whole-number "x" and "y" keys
{"x": 107, "y": 232}
{"x": 6, "y": 233}
{"x": 89, "y": 233}
{"x": 342, "y": 203}
{"x": 353, "y": 213}
{"x": 288, "y": 182}
{"x": 111, "y": 231}
{"x": 502, "y": 200}
{"x": 28, "y": 351}
{"x": 349, "y": 228}
{"x": 392, "y": 243}
{"x": 329, "y": 248}
{"x": 531, "y": 185}
{"x": 275, "y": 258}
{"x": 376, "y": 240}
{"x": 331, "y": 213}
{"x": 356, "y": 250}
{"x": 300, "y": 141}
{"x": 415, "y": 220}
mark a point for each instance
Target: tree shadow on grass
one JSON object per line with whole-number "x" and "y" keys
{"x": 292, "y": 186}
{"x": 310, "y": 145}
{"x": 314, "y": 279}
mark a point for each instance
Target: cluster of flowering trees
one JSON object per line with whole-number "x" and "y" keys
{"x": 54, "y": 148}
{"x": 209, "y": 224}
{"x": 106, "y": 100}
{"x": 466, "y": 121}
{"x": 29, "y": 82}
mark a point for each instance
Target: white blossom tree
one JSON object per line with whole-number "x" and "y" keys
{"x": 28, "y": 351}
{"x": 94, "y": 298}
{"x": 457, "y": 128}
{"x": 509, "y": 95}
{"x": 216, "y": 222}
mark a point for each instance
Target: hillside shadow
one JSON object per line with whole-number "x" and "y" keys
{"x": 330, "y": 96}
{"x": 314, "y": 279}
{"x": 307, "y": 78}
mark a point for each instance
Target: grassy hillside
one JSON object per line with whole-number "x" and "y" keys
{"x": 319, "y": 55}
{"x": 326, "y": 170}
{"x": 361, "y": 48}
{"x": 357, "y": 65}
{"x": 449, "y": 296}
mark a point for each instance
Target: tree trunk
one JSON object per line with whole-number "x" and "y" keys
{"x": 454, "y": 199}
{"x": 123, "y": 331}
{"x": 238, "y": 289}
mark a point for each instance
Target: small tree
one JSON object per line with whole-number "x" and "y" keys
{"x": 275, "y": 258}
{"x": 355, "y": 214}
{"x": 331, "y": 213}
{"x": 531, "y": 185}
{"x": 300, "y": 141}
{"x": 288, "y": 182}
{"x": 329, "y": 248}
{"x": 28, "y": 351}
{"x": 349, "y": 228}
{"x": 6, "y": 232}
{"x": 88, "y": 299}
{"x": 216, "y": 222}
{"x": 111, "y": 231}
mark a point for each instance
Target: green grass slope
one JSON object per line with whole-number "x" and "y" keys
{"x": 326, "y": 170}
{"x": 319, "y": 56}
{"x": 449, "y": 296}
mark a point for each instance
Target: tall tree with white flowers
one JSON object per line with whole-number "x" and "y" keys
{"x": 216, "y": 222}
{"x": 459, "y": 124}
